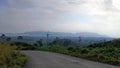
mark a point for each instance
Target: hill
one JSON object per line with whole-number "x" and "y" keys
{"x": 113, "y": 43}
{"x": 64, "y": 34}
{"x": 56, "y": 34}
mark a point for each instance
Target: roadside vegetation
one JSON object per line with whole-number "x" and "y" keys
{"x": 10, "y": 57}
{"x": 110, "y": 55}
{"x": 106, "y": 52}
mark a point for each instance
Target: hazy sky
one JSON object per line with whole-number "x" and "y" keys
{"x": 98, "y": 16}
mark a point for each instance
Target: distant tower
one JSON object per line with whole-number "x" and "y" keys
{"x": 47, "y": 38}
{"x": 79, "y": 40}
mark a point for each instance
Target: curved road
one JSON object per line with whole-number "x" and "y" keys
{"x": 40, "y": 59}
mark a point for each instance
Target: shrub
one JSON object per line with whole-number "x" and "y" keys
{"x": 10, "y": 57}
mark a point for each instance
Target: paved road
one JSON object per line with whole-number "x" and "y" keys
{"x": 39, "y": 59}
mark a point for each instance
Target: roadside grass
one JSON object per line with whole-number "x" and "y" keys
{"x": 109, "y": 55}
{"x": 105, "y": 52}
{"x": 10, "y": 57}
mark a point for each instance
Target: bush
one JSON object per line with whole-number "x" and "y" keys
{"x": 104, "y": 54}
{"x": 55, "y": 48}
{"x": 23, "y": 46}
{"x": 10, "y": 57}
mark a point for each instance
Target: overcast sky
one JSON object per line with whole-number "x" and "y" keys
{"x": 98, "y": 16}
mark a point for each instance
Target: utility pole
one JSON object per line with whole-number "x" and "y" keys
{"x": 79, "y": 40}
{"x": 47, "y": 38}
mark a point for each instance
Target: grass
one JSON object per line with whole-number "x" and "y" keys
{"x": 10, "y": 57}
{"x": 106, "y": 52}
{"x": 109, "y": 55}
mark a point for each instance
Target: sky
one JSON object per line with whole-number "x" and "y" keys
{"x": 97, "y": 16}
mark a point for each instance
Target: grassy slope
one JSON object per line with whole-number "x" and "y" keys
{"x": 10, "y": 57}
{"x": 107, "y": 52}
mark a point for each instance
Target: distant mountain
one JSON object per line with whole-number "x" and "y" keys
{"x": 12, "y": 34}
{"x": 55, "y": 34}
{"x": 63, "y": 34}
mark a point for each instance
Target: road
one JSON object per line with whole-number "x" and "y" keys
{"x": 40, "y": 59}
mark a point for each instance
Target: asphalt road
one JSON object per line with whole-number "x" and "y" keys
{"x": 40, "y": 59}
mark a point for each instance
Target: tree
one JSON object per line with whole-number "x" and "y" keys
{"x": 19, "y": 37}
{"x": 56, "y": 41}
{"x": 40, "y": 42}
{"x": 35, "y": 44}
{"x": 3, "y": 36}
{"x": 8, "y": 39}
{"x": 67, "y": 42}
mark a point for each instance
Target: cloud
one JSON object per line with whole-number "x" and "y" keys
{"x": 103, "y": 16}
{"x": 105, "y": 12}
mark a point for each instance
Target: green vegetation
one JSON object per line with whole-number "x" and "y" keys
{"x": 19, "y": 37}
{"x": 10, "y": 57}
{"x": 106, "y": 52}
{"x": 54, "y": 48}
{"x": 24, "y": 46}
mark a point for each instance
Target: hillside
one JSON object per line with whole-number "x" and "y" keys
{"x": 113, "y": 43}
{"x": 106, "y": 52}
{"x": 56, "y": 34}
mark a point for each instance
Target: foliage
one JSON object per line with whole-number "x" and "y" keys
{"x": 55, "y": 48}
{"x": 3, "y": 36}
{"x": 106, "y": 52}
{"x": 19, "y": 37}
{"x": 40, "y": 43}
{"x": 10, "y": 57}
{"x": 23, "y": 46}
{"x": 56, "y": 41}
{"x": 8, "y": 39}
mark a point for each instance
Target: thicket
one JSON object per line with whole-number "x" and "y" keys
{"x": 24, "y": 46}
{"x": 10, "y": 57}
{"x": 106, "y": 52}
